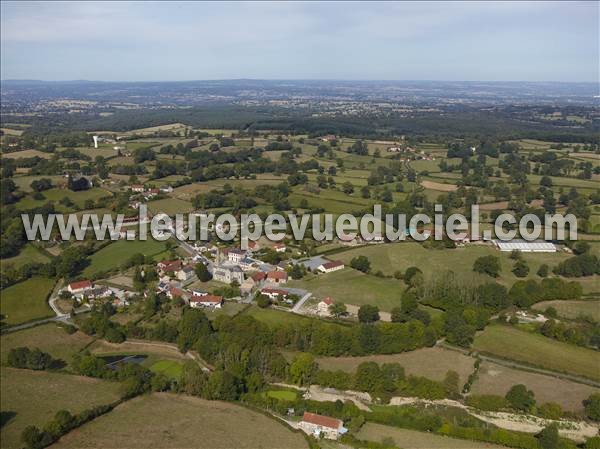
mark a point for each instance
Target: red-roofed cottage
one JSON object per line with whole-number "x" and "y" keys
{"x": 319, "y": 425}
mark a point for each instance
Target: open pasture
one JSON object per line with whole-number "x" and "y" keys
{"x": 118, "y": 252}
{"x": 498, "y": 379}
{"x": 572, "y": 309}
{"x": 176, "y": 421}
{"x": 26, "y": 301}
{"x": 432, "y": 363}
{"x": 35, "y": 396}
{"x": 514, "y": 344}
{"x": 48, "y": 338}
{"x": 29, "y": 254}
{"x": 55, "y": 195}
{"x": 413, "y": 439}
{"x": 353, "y": 287}
{"x": 392, "y": 257}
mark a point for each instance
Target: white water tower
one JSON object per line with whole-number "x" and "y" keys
{"x": 95, "y": 141}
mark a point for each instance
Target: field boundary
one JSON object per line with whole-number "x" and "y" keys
{"x": 510, "y": 363}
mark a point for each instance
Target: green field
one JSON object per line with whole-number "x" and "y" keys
{"x": 49, "y": 338}
{"x": 29, "y": 254}
{"x": 493, "y": 378}
{"x": 55, "y": 195}
{"x": 353, "y": 287}
{"x": 116, "y": 253}
{"x": 273, "y": 316}
{"x": 169, "y": 368}
{"x": 432, "y": 363}
{"x": 413, "y": 439}
{"x": 24, "y": 182}
{"x": 177, "y": 421}
{"x": 333, "y": 201}
{"x": 515, "y": 344}
{"x": 572, "y": 309}
{"x": 26, "y": 301}
{"x": 392, "y": 257}
{"x": 170, "y": 206}
{"x": 284, "y": 395}
{"x": 35, "y": 396}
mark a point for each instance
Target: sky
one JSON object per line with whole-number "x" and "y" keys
{"x": 168, "y": 41}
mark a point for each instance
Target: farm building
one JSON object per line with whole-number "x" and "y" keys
{"x": 537, "y": 246}
{"x": 330, "y": 267}
{"x": 319, "y": 425}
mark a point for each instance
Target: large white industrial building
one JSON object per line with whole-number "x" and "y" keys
{"x": 536, "y": 246}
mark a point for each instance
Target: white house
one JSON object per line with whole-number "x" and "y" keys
{"x": 274, "y": 293}
{"x": 319, "y": 425}
{"x": 186, "y": 273}
{"x": 209, "y": 301}
{"x": 323, "y": 306}
{"x": 330, "y": 267}
{"x": 80, "y": 288}
{"x": 235, "y": 255}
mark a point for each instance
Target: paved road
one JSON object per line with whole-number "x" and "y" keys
{"x": 300, "y": 303}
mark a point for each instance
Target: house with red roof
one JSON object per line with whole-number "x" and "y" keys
{"x": 176, "y": 292}
{"x": 329, "y": 267}
{"x": 322, "y": 426}
{"x": 80, "y": 287}
{"x": 323, "y": 306}
{"x": 277, "y": 277}
{"x": 274, "y": 293}
{"x": 208, "y": 301}
{"x": 168, "y": 266}
{"x": 259, "y": 276}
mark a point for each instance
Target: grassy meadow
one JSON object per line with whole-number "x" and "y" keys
{"x": 26, "y": 301}
{"x": 498, "y": 379}
{"x": 114, "y": 254}
{"x": 353, "y": 287}
{"x": 511, "y": 343}
{"x": 49, "y": 338}
{"x": 35, "y": 396}
{"x": 176, "y": 421}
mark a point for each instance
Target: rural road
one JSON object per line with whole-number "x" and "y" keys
{"x": 299, "y": 304}
{"x": 60, "y": 316}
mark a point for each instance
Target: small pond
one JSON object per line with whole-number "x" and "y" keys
{"x": 114, "y": 361}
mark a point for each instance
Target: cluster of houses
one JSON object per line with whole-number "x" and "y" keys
{"x": 149, "y": 193}
{"x": 87, "y": 291}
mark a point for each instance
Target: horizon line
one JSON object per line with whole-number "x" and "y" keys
{"x": 296, "y": 79}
